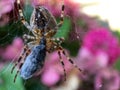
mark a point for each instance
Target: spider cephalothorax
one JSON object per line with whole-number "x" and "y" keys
{"x": 43, "y": 27}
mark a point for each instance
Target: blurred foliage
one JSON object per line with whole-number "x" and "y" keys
{"x": 65, "y": 29}
{"x": 32, "y": 84}
{"x": 117, "y": 33}
{"x": 14, "y": 28}
{"x": 6, "y": 79}
{"x": 117, "y": 64}
{"x": 73, "y": 47}
{"x": 9, "y": 32}
{"x": 27, "y": 11}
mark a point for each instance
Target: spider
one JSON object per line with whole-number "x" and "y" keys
{"x": 43, "y": 27}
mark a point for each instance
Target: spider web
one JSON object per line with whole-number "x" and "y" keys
{"x": 16, "y": 29}
{"x": 11, "y": 30}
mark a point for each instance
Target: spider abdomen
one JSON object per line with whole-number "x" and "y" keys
{"x": 33, "y": 62}
{"x": 42, "y": 19}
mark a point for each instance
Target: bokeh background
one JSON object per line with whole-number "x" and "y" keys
{"x": 92, "y": 39}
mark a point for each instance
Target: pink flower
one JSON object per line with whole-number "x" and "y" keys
{"x": 50, "y": 77}
{"x": 53, "y": 70}
{"x": 4, "y": 19}
{"x": 12, "y": 51}
{"x": 6, "y": 6}
{"x": 102, "y": 40}
{"x": 54, "y": 6}
{"x": 83, "y": 24}
{"x": 107, "y": 79}
{"x": 91, "y": 62}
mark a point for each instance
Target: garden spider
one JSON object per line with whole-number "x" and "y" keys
{"x": 43, "y": 27}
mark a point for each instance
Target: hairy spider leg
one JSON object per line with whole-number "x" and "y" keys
{"x": 70, "y": 60}
{"x": 56, "y": 46}
{"x": 62, "y": 63}
{"x": 21, "y": 63}
{"x": 25, "y": 53}
{"x": 62, "y": 15}
{"x": 35, "y": 38}
{"x": 25, "y": 23}
{"x": 20, "y": 57}
{"x": 26, "y": 36}
{"x": 59, "y": 40}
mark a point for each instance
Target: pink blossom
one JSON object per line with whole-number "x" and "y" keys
{"x": 83, "y": 24}
{"x": 91, "y": 62}
{"x": 53, "y": 70}
{"x": 13, "y": 50}
{"x": 4, "y": 19}
{"x": 1, "y": 50}
{"x": 6, "y": 6}
{"x": 107, "y": 79}
{"x": 102, "y": 40}
{"x": 54, "y": 6}
{"x": 50, "y": 77}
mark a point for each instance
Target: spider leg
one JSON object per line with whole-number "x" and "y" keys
{"x": 50, "y": 33}
{"x": 20, "y": 57}
{"x": 62, "y": 16}
{"x": 25, "y": 23}
{"x": 62, "y": 63}
{"x": 25, "y": 36}
{"x": 70, "y": 60}
{"x": 28, "y": 37}
{"x": 21, "y": 63}
{"x": 59, "y": 40}
{"x": 56, "y": 46}
{"x": 23, "y": 57}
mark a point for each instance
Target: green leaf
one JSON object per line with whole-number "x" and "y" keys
{"x": 65, "y": 29}
{"x": 117, "y": 64}
{"x": 34, "y": 84}
{"x": 117, "y": 33}
{"x": 28, "y": 9}
{"x": 11, "y": 31}
{"x": 73, "y": 47}
{"x": 6, "y": 80}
